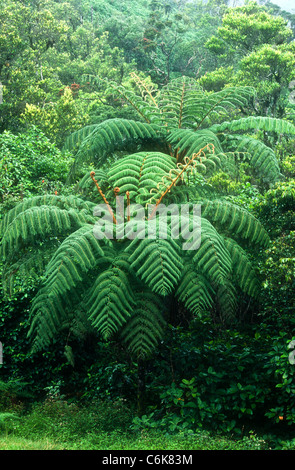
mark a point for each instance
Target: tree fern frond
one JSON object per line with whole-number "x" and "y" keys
{"x": 212, "y": 257}
{"x": 108, "y": 136}
{"x": 138, "y": 173}
{"x": 145, "y": 328}
{"x": 261, "y": 157}
{"x": 87, "y": 183}
{"x": 243, "y": 272}
{"x": 78, "y": 253}
{"x": 226, "y": 296}
{"x": 110, "y": 301}
{"x": 41, "y": 221}
{"x": 155, "y": 257}
{"x": 195, "y": 291}
{"x": 221, "y": 103}
{"x": 182, "y": 172}
{"x": 178, "y": 100}
{"x": 28, "y": 267}
{"x": 236, "y": 220}
{"x": 62, "y": 202}
{"x": 144, "y": 104}
{"x": 188, "y": 142}
{"x": 280, "y": 126}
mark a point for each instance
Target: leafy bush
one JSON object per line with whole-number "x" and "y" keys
{"x": 225, "y": 380}
{"x": 30, "y": 164}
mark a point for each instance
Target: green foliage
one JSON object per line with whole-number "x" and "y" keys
{"x": 227, "y": 380}
{"x": 184, "y": 124}
{"x": 281, "y": 362}
{"x": 30, "y": 164}
{"x": 203, "y": 141}
{"x": 99, "y": 278}
{"x": 247, "y": 27}
{"x": 56, "y": 120}
{"x": 93, "y": 276}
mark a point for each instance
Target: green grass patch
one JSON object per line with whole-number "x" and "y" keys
{"x": 57, "y": 424}
{"x": 150, "y": 440}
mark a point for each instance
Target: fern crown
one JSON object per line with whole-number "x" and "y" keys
{"x": 123, "y": 285}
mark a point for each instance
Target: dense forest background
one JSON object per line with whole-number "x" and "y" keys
{"x": 57, "y": 60}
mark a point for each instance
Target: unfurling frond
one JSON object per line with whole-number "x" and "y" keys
{"x": 28, "y": 267}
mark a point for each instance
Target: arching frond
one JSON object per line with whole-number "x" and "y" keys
{"x": 79, "y": 253}
{"x": 220, "y": 104}
{"x": 62, "y": 202}
{"x": 212, "y": 257}
{"x": 226, "y": 298}
{"x": 155, "y": 257}
{"x": 261, "y": 157}
{"x": 195, "y": 291}
{"x": 187, "y": 142}
{"x": 86, "y": 182}
{"x": 280, "y": 126}
{"x": 244, "y": 274}
{"x": 108, "y": 136}
{"x": 41, "y": 221}
{"x": 145, "y": 328}
{"x": 28, "y": 267}
{"x": 110, "y": 300}
{"x": 236, "y": 220}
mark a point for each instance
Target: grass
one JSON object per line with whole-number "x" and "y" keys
{"x": 58, "y": 425}
{"x": 19, "y": 443}
{"x": 118, "y": 441}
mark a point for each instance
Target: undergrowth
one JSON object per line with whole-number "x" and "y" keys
{"x": 58, "y": 424}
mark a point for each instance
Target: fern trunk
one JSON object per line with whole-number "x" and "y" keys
{"x": 141, "y": 398}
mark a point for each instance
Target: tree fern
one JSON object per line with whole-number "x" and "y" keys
{"x": 180, "y": 119}
{"x": 123, "y": 284}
